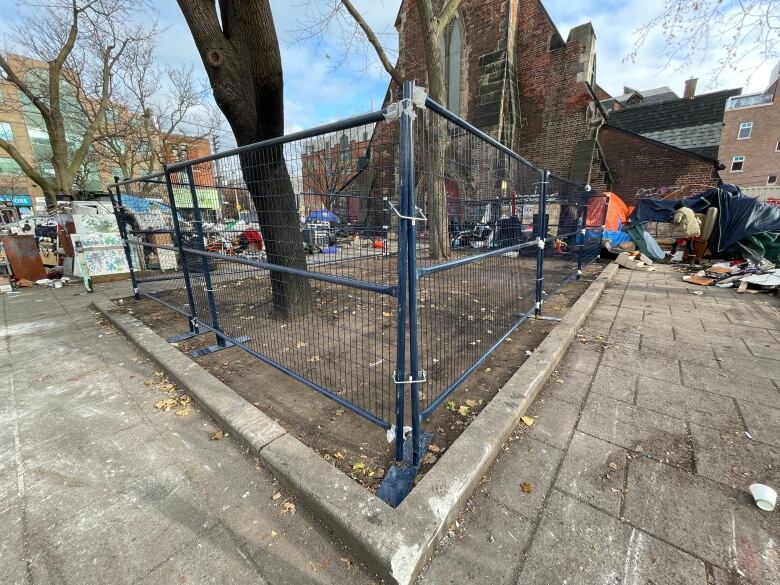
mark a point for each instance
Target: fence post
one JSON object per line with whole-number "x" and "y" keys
{"x": 541, "y": 238}
{"x": 581, "y": 230}
{"x": 197, "y": 220}
{"x": 177, "y": 243}
{"x": 410, "y": 210}
{"x": 117, "y": 205}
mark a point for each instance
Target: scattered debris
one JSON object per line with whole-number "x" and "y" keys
{"x": 526, "y": 487}
{"x": 528, "y": 420}
{"x": 218, "y": 436}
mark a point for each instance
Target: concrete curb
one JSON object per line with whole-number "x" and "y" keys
{"x": 395, "y": 542}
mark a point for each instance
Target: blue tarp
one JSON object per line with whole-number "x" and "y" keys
{"x": 323, "y": 215}
{"x": 739, "y": 216}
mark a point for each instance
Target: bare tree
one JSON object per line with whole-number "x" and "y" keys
{"x": 692, "y": 29}
{"x": 328, "y": 169}
{"x": 432, "y": 26}
{"x": 239, "y": 48}
{"x": 71, "y": 49}
{"x": 153, "y": 108}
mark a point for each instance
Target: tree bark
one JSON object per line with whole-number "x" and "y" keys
{"x": 240, "y": 51}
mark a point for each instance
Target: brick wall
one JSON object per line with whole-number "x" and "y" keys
{"x": 760, "y": 151}
{"x": 637, "y": 165}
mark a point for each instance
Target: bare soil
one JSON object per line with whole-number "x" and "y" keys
{"x": 357, "y": 362}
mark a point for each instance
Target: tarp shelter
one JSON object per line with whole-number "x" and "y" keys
{"x": 617, "y": 211}
{"x": 323, "y": 215}
{"x": 740, "y": 216}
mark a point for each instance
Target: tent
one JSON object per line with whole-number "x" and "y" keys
{"x": 323, "y": 215}
{"x": 617, "y": 211}
{"x": 740, "y": 217}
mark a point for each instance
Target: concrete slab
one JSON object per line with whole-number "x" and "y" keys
{"x": 704, "y": 408}
{"x": 525, "y": 461}
{"x": 582, "y": 358}
{"x": 579, "y": 545}
{"x": 751, "y": 388}
{"x": 695, "y": 514}
{"x": 568, "y": 385}
{"x": 762, "y": 422}
{"x": 615, "y": 383}
{"x": 554, "y": 421}
{"x": 594, "y": 472}
{"x": 12, "y": 547}
{"x": 642, "y": 363}
{"x": 767, "y": 367}
{"x": 490, "y": 537}
{"x": 678, "y": 350}
{"x": 730, "y": 458}
{"x": 652, "y": 434}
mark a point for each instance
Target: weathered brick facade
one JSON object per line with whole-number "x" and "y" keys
{"x": 640, "y": 166}
{"x": 520, "y": 81}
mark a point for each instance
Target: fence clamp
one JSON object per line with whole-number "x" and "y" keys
{"x": 412, "y": 218}
{"x": 422, "y": 378}
{"x": 540, "y": 243}
{"x": 406, "y": 106}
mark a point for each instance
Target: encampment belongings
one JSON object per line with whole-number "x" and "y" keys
{"x": 644, "y": 241}
{"x": 24, "y": 257}
{"x": 699, "y": 278}
{"x": 739, "y": 217}
{"x": 633, "y": 262}
{"x": 764, "y": 496}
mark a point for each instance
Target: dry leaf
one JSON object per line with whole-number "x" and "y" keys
{"x": 471, "y": 403}
{"x": 300, "y": 344}
{"x": 429, "y": 459}
{"x": 338, "y": 455}
{"x": 276, "y": 495}
{"x": 613, "y": 466}
{"x": 451, "y": 405}
{"x": 528, "y": 420}
{"x": 359, "y": 467}
{"x": 184, "y": 411}
{"x": 185, "y": 399}
{"x": 526, "y": 487}
{"x": 166, "y": 404}
{"x": 463, "y": 410}
{"x": 314, "y": 358}
{"x": 347, "y": 561}
{"x": 434, "y": 448}
{"x": 273, "y": 534}
{"x": 289, "y": 507}
{"x": 386, "y": 314}
{"x": 218, "y": 436}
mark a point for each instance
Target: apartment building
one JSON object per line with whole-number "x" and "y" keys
{"x": 750, "y": 138}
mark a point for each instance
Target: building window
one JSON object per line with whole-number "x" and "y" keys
{"x": 737, "y": 163}
{"x": 771, "y": 180}
{"x": 6, "y": 133}
{"x": 451, "y": 44}
{"x": 745, "y": 130}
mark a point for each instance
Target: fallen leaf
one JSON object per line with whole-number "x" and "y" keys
{"x": 185, "y": 399}
{"x": 528, "y": 420}
{"x": 463, "y": 410}
{"x": 471, "y": 403}
{"x": 166, "y": 404}
{"x": 184, "y": 411}
{"x": 559, "y": 381}
{"x": 451, "y": 405}
{"x": 314, "y": 358}
{"x": 289, "y": 507}
{"x": 386, "y": 314}
{"x": 359, "y": 467}
{"x": 347, "y": 561}
{"x": 273, "y": 534}
{"x": 218, "y": 436}
{"x": 613, "y": 466}
{"x": 526, "y": 487}
{"x": 301, "y": 344}
{"x": 276, "y": 495}
{"x": 429, "y": 459}
{"x": 434, "y": 448}
{"x": 338, "y": 455}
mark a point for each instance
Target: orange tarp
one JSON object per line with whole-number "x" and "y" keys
{"x": 617, "y": 211}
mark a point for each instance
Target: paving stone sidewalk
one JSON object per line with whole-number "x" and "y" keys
{"x": 644, "y": 443}
{"x": 98, "y": 487}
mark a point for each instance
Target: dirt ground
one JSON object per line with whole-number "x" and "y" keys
{"x": 357, "y": 363}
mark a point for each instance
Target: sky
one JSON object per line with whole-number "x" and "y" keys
{"x": 320, "y": 87}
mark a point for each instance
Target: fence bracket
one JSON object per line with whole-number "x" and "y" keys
{"x": 412, "y": 218}
{"x": 400, "y": 476}
{"x": 218, "y": 346}
{"x": 419, "y": 380}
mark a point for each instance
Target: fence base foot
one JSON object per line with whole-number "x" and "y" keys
{"x": 183, "y": 335}
{"x": 546, "y": 318}
{"x": 217, "y": 347}
{"x": 399, "y": 478}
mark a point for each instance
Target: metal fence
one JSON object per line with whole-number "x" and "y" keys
{"x": 378, "y": 260}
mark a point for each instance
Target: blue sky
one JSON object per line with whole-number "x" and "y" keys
{"x": 316, "y": 90}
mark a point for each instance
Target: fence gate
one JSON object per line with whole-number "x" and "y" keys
{"x": 378, "y": 260}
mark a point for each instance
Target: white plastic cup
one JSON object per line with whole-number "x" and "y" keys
{"x": 765, "y": 496}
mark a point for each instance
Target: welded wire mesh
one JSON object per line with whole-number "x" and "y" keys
{"x": 476, "y": 287}
{"x": 291, "y": 244}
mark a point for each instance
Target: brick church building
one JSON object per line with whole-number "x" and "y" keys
{"x": 509, "y": 72}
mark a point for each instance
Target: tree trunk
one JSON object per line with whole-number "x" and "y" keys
{"x": 240, "y": 52}
{"x": 438, "y": 230}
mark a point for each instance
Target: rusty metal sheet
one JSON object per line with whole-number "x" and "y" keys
{"x": 24, "y": 257}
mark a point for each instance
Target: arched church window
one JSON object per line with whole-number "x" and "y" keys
{"x": 451, "y": 47}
